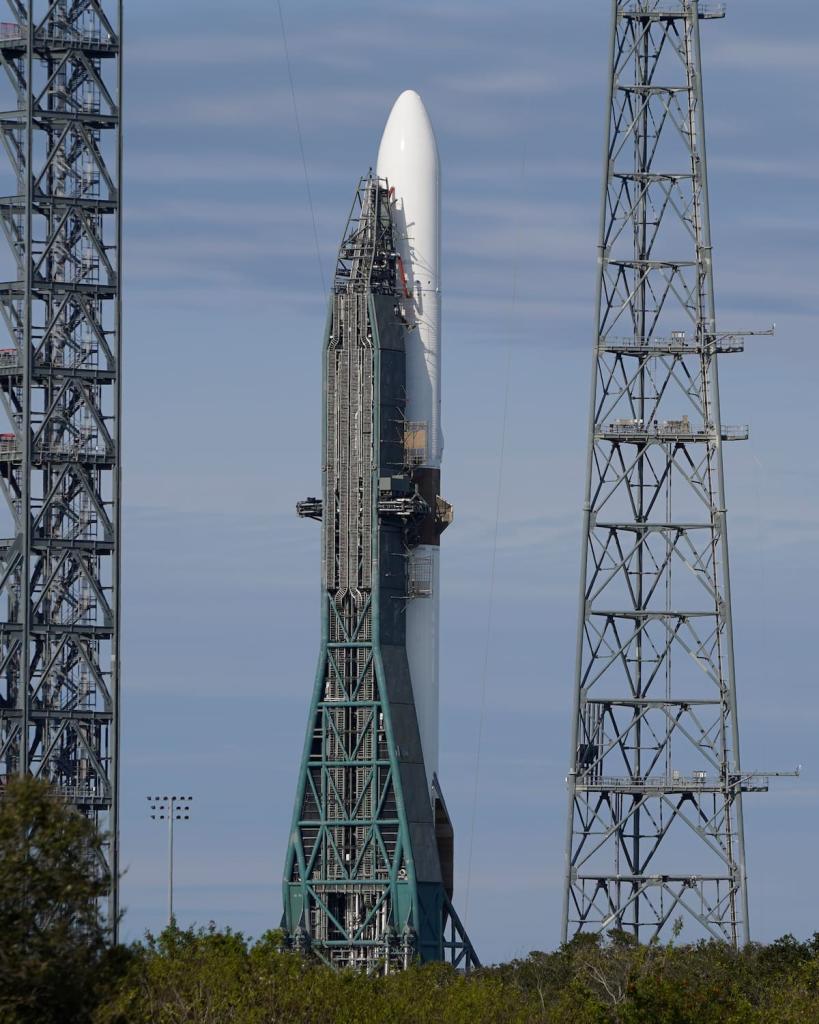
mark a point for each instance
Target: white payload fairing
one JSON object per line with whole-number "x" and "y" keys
{"x": 408, "y": 160}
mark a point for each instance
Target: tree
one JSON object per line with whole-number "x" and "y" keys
{"x": 53, "y": 944}
{"x": 184, "y": 975}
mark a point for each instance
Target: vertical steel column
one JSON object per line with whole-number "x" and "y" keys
{"x": 704, "y": 257}
{"x": 654, "y": 818}
{"x": 598, "y": 303}
{"x": 60, "y": 396}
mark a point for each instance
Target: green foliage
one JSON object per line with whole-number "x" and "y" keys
{"x": 53, "y": 956}
{"x": 212, "y": 977}
{"x": 55, "y": 967}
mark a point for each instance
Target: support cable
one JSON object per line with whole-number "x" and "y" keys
{"x": 297, "y": 119}
{"x": 763, "y": 664}
{"x": 493, "y": 562}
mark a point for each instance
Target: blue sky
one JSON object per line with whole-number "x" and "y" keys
{"x": 224, "y": 314}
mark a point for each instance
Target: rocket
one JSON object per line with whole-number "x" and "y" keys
{"x": 369, "y": 872}
{"x": 408, "y": 160}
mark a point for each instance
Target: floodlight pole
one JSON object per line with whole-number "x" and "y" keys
{"x": 172, "y": 808}
{"x": 170, "y": 863}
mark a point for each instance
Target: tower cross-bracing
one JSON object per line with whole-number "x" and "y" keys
{"x": 60, "y": 396}
{"x": 655, "y": 828}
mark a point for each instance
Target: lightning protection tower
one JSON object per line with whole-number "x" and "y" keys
{"x": 60, "y": 395}
{"x": 655, "y": 785}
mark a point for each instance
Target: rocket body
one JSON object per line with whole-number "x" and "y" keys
{"x": 408, "y": 160}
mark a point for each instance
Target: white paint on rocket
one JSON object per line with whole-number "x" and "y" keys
{"x": 408, "y": 159}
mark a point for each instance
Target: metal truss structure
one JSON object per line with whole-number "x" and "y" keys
{"x": 60, "y": 394}
{"x": 367, "y": 880}
{"x": 655, "y": 828}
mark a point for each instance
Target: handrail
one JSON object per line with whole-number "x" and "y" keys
{"x": 668, "y": 9}
{"x": 678, "y": 341}
{"x": 11, "y": 30}
{"x": 702, "y": 781}
{"x": 670, "y": 428}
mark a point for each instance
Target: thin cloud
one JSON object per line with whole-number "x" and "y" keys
{"x": 517, "y": 82}
{"x": 163, "y": 167}
{"x": 785, "y": 56}
{"x": 799, "y": 167}
{"x": 212, "y": 49}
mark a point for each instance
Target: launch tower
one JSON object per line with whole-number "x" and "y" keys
{"x": 368, "y": 876}
{"x": 60, "y": 394}
{"x": 655, "y": 826}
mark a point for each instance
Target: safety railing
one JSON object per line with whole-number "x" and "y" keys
{"x": 11, "y": 450}
{"x": 74, "y": 794}
{"x": 694, "y": 781}
{"x": 72, "y": 452}
{"x": 676, "y": 343}
{"x": 675, "y": 782}
{"x": 670, "y": 9}
{"x": 11, "y": 31}
{"x": 668, "y": 430}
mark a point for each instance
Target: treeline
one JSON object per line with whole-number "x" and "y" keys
{"x": 56, "y": 968}
{"x": 217, "y": 977}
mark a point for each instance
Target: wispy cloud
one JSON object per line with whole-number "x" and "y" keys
{"x": 216, "y": 166}
{"x": 794, "y": 56}
{"x": 235, "y": 107}
{"x": 798, "y": 167}
{"x": 220, "y": 46}
{"x": 529, "y": 83}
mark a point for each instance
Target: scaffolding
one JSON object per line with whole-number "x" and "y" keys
{"x": 60, "y": 395}
{"x": 365, "y": 881}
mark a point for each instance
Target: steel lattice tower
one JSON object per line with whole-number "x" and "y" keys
{"x": 369, "y": 876}
{"x": 655, "y": 788}
{"x": 60, "y": 393}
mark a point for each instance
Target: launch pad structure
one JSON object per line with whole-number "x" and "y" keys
{"x": 655, "y": 826}
{"x": 60, "y": 391}
{"x": 368, "y": 876}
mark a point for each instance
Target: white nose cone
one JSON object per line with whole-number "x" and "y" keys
{"x": 408, "y": 159}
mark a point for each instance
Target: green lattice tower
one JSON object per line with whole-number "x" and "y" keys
{"x": 367, "y": 878}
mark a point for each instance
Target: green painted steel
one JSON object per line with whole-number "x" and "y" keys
{"x": 363, "y": 883}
